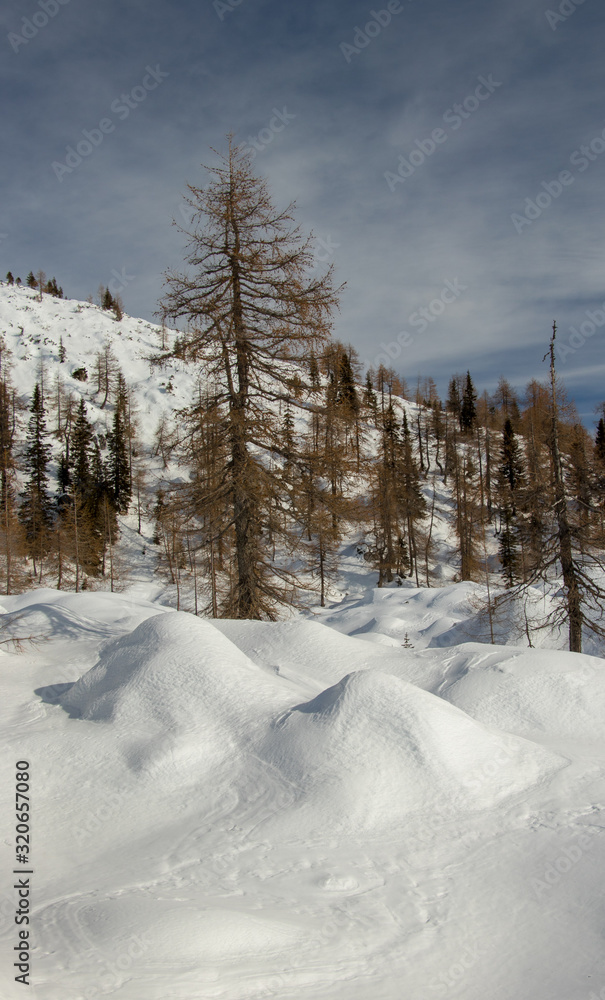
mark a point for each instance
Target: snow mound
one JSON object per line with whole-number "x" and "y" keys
{"x": 306, "y": 651}
{"x": 176, "y": 676}
{"x": 372, "y": 750}
{"x": 532, "y": 692}
{"x": 45, "y": 611}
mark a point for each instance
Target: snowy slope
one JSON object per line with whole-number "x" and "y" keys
{"x": 241, "y": 810}
{"x": 33, "y": 330}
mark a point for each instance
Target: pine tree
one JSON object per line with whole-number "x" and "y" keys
{"x": 62, "y": 351}
{"x": 9, "y": 278}
{"x": 347, "y": 394}
{"x": 468, "y": 409}
{"x": 599, "y": 444}
{"x": 36, "y": 510}
{"x": 81, "y": 450}
{"x": 10, "y": 530}
{"x": 454, "y": 402}
{"x": 314, "y": 372}
{"x": 510, "y": 482}
{"x": 254, "y": 306}
{"x": 119, "y": 478}
{"x": 369, "y": 397}
{"x": 31, "y": 281}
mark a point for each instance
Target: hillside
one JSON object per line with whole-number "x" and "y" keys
{"x": 37, "y": 332}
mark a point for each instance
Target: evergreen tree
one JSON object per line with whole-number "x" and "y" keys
{"x": 81, "y": 453}
{"x": 347, "y": 394}
{"x": 599, "y": 444}
{"x": 510, "y": 481}
{"x": 36, "y": 510}
{"x": 11, "y": 530}
{"x": 119, "y": 465}
{"x": 62, "y": 351}
{"x": 31, "y": 281}
{"x": 454, "y": 402}
{"x": 9, "y": 278}
{"x": 468, "y": 409}
{"x": 369, "y": 396}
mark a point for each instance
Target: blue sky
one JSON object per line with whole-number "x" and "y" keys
{"x": 353, "y": 111}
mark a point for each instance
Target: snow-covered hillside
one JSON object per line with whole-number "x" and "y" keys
{"x": 365, "y": 799}
{"x": 33, "y": 330}
{"x": 237, "y": 810}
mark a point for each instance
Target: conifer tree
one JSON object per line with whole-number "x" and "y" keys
{"x": 412, "y": 503}
{"x": 31, "y": 281}
{"x": 566, "y": 548}
{"x": 599, "y": 444}
{"x": 253, "y": 306}
{"x": 36, "y": 509}
{"x": 468, "y": 409}
{"x": 454, "y": 400}
{"x": 120, "y": 490}
{"x": 11, "y": 530}
{"x": 314, "y": 372}
{"x": 510, "y": 482}
{"x": 369, "y": 397}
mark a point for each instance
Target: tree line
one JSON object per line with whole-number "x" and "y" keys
{"x": 288, "y": 452}
{"x": 288, "y": 449}
{"x": 59, "y": 512}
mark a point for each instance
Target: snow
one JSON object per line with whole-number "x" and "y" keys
{"x": 363, "y": 799}
{"x": 241, "y": 810}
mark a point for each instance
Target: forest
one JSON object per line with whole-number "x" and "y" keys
{"x": 287, "y": 451}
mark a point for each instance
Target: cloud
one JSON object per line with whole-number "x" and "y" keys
{"x": 450, "y": 218}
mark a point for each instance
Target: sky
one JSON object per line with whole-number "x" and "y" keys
{"x": 448, "y": 157}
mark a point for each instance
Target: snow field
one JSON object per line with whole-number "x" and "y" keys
{"x": 242, "y": 810}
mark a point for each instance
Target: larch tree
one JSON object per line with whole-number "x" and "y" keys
{"x": 567, "y": 553}
{"x": 254, "y": 309}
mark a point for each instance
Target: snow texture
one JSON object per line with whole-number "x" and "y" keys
{"x": 240, "y": 810}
